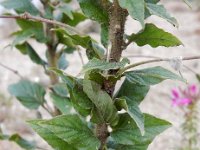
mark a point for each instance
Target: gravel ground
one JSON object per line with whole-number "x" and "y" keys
{"x": 157, "y": 102}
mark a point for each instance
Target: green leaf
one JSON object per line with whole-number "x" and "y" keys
{"x": 103, "y": 65}
{"x": 71, "y": 129}
{"x": 134, "y": 92}
{"x": 133, "y": 110}
{"x": 66, "y": 1}
{"x": 95, "y": 76}
{"x": 85, "y": 41}
{"x": 155, "y": 37}
{"x": 49, "y": 12}
{"x": 69, "y": 50}
{"x": 93, "y": 10}
{"x": 105, "y": 108}
{"x": 81, "y": 103}
{"x": 105, "y": 35}
{"x": 95, "y": 51}
{"x": 60, "y": 89}
{"x": 80, "y": 100}
{"x": 27, "y": 49}
{"x": 136, "y": 9}
{"x": 20, "y": 6}
{"x": 22, "y": 36}
{"x": 159, "y": 10}
{"x": 132, "y": 147}
{"x": 62, "y": 62}
{"x": 75, "y": 39}
{"x": 152, "y": 1}
{"x": 36, "y": 28}
{"x": 68, "y": 80}
{"x": 77, "y": 18}
{"x": 62, "y": 103}
{"x": 30, "y": 94}
{"x": 112, "y": 145}
{"x": 127, "y": 132}
{"x": 66, "y": 9}
{"x": 198, "y": 77}
{"x": 23, "y": 143}
{"x": 52, "y": 139}
{"x": 151, "y": 76}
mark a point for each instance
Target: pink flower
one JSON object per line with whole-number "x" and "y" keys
{"x": 193, "y": 91}
{"x": 184, "y": 97}
{"x": 178, "y": 99}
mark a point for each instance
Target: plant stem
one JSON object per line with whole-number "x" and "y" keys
{"x": 117, "y": 18}
{"x": 102, "y": 134}
{"x": 121, "y": 71}
{"x": 80, "y": 55}
{"x": 189, "y": 127}
{"x": 51, "y": 44}
{"x": 117, "y": 22}
{"x": 12, "y": 70}
{"x": 28, "y": 16}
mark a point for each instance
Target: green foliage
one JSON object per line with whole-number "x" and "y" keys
{"x": 27, "y": 49}
{"x": 95, "y": 11}
{"x": 103, "y": 65}
{"x": 151, "y": 76}
{"x": 60, "y": 90}
{"x": 133, "y": 110}
{"x": 135, "y": 8}
{"x": 127, "y": 133}
{"x": 70, "y": 128}
{"x": 23, "y": 143}
{"x": 62, "y": 103}
{"x": 198, "y": 77}
{"x": 81, "y": 102}
{"x": 51, "y": 138}
{"x": 75, "y": 19}
{"x": 104, "y": 111}
{"x": 90, "y": 102}
{"x": 72, "y": 40}
{"x": 160, "y": 11}
{"x": 133, "y": 91}
{"x": 21, "y": 6}
{"x": 158, "y": 38}
{"x": 62, "y": 62}
{"x": 30, "y": 94}
{"x": 29, "y": 29}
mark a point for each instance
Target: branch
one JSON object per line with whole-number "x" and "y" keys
{"x": 142, "y": 56}
{"x": 12, "y": 70}
{"x": 27, "y": 16}
{"x": 156, "y": 57}
{"x": 80, "y": 55}
{"x": 47, "y": 109}
{"x": 190, "y": 69}
{"x": 121, "y": 71}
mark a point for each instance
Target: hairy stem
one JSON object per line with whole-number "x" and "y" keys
{"x": 117, "y": 18}
{"x": 117, "y": 23}
{"x": 189, "y": 127}
{"x": 102, "y": 134}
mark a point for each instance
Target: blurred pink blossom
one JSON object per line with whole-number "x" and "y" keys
{"x": 184, "y": 97}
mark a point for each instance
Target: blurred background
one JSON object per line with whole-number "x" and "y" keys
{"x": 13, "y": 115}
